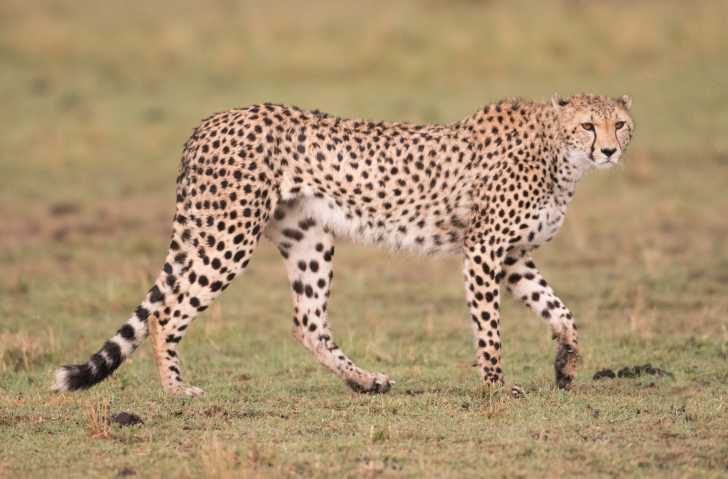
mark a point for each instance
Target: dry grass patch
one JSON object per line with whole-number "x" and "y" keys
{"x": 22, "y": 351}
{"x": 218, "y": 458}
{"x": 98, "y": 422}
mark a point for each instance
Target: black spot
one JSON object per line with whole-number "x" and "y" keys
{"x": 155, "y": 295}
{"x": 127, "y": 332}
{"x": 293, "y": 234}
{"x": 142, "y": 313}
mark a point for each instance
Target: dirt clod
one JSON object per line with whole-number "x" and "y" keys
{"x": 631, "y": 372}
{"x": 126, "y": 419}
{"x": 604, "y": 374}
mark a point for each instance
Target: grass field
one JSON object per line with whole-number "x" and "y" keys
{"x": 98, "y": 98}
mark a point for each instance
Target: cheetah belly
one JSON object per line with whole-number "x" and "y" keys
{"x": 432, "y": 237}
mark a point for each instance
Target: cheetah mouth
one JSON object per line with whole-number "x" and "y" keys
{"x": 604, "y": 164}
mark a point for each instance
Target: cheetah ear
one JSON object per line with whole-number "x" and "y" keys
{"x": 558, "y": 102}
{"x": 625, "y": 101}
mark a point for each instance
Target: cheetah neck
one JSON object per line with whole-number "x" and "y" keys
{"x": 564, "y": 175}
{"x": 565, "y": 172}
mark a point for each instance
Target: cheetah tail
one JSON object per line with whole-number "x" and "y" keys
{"x": 113, "y": 352}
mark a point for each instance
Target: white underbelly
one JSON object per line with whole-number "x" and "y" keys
{"x": 395, "y": 233}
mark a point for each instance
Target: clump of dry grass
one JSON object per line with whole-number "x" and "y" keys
{"x": 219, "y": 459}
{"x": 98, "y": 424}
{"x": 378, "y": 434}
{"x": 258, "y": 458}
{"x": 21, "y": 351}
{"x": 372, "y": 468}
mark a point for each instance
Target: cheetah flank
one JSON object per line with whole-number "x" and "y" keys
{"x": 492, "y": 187}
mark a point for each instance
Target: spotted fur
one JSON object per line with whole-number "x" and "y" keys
{"x": 492, "y": 187}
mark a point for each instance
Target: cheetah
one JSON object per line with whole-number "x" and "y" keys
{"x": 492, "y": 187}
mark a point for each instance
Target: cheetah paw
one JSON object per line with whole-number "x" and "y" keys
{"x": 183, "y": 390}
{"x": 374, "y": 383}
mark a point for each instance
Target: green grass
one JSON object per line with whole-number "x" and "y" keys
{"x": 97, "y": 100}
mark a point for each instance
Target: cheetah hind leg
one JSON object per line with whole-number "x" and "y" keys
{"x": 307, "y": 248}
{"x": 189, "y": 283}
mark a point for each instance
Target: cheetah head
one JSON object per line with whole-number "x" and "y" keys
{"x": 595, "y": 130}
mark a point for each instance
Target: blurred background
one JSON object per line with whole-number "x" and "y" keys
{"x": 97, "y": 99}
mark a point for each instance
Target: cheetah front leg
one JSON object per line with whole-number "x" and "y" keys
{"x": 525, "y": 282}
{"x": 482, "y": 276}
{"x": 308, "y": 251}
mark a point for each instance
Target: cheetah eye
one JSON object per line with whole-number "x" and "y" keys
{"x": 619, "y": 125}
{"x": 588, "y": 126}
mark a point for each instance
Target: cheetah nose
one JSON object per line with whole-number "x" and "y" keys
{"x": 608, "y": 151}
